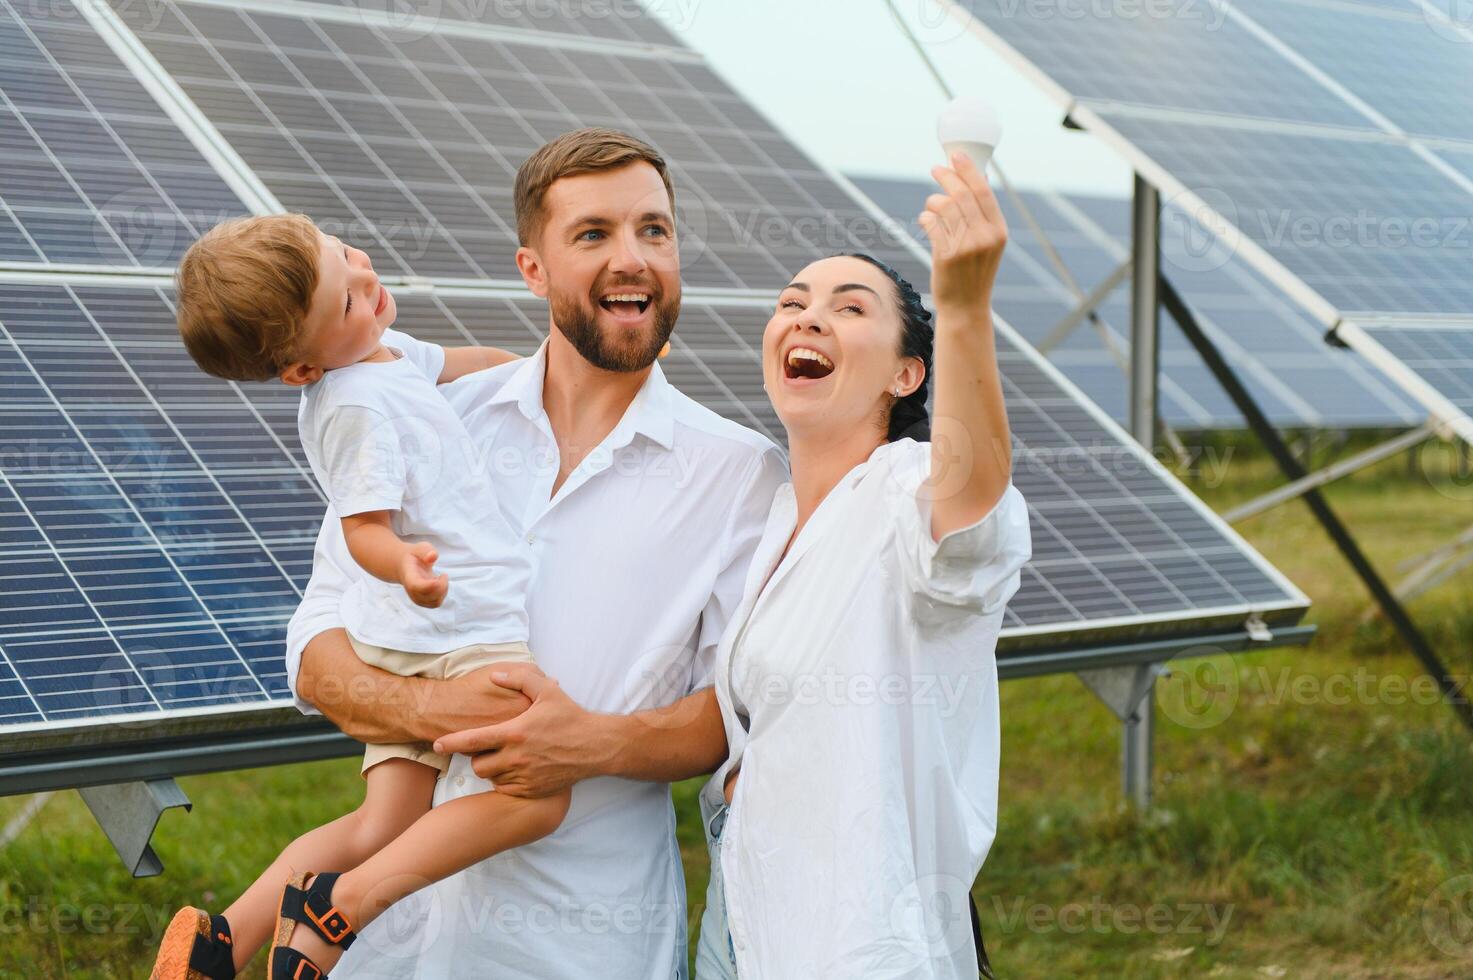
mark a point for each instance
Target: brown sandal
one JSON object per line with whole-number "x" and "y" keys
{"x": 196, "y": 946}
{"x": 313, "y": 908}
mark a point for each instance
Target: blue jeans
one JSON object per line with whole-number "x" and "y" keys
{"x": 715, "y": 955}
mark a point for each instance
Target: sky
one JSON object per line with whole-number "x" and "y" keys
{"x": 841, "y": 79}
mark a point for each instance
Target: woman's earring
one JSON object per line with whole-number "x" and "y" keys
{"x": 897, "y": 391}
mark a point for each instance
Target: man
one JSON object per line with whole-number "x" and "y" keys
{"x": 641, "y": 510}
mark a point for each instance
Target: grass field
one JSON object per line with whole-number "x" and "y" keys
{"x": 1314, "y": 818}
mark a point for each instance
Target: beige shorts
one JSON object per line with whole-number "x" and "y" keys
{"x": 441, "y": 666}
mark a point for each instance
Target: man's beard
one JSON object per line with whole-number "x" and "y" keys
{"x": 579, "y": 324}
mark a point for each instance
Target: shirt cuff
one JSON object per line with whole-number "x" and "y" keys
{"x": 353, "y": 506}
{"x": 974, "y": 568}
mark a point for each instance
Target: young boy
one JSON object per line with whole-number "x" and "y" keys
{"x": 275, "y": 297}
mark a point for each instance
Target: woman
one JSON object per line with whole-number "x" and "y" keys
{"x": 857, "y": 680}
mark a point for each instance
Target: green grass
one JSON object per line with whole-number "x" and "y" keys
{"x": 1305, "y": 833}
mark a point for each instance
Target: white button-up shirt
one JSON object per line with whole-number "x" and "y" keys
{"x": 859, "y": 693}
{"x": 638, "y": 563}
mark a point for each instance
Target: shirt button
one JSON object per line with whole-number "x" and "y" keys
{"x": 531, "y": 538}
{"x": 459, "y": 780}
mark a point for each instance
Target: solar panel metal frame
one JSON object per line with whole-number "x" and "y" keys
{"x": 177, "y": 741}
{"x": 1084, "y": 114}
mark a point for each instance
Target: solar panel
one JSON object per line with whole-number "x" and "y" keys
{"x": 1441, "y": 355}
{"x": 1371, "y": 226}
{"x": 1434, "y": 360}
{"x": 1298, "y": 379}
{"x": 1367, "y": 50}
{"x": 166, "y": 516}
{"x": 1319, "y": 180}
{"x": 1354, "y": 193}
{"x": 160, "y": 534}
{"x": 409, "y": 146}
{"x": 593, "y": 20}
{"x": 1177, "y": 55}
{"x": 94, "y": 171}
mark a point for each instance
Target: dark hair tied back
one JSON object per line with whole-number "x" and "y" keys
{"x": 909, "y": 418}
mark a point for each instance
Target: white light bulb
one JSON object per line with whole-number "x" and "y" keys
{"x": 969, "y": 124}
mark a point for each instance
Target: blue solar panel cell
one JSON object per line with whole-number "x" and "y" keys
{"x": 88, "y": 676}
{"x": 185, "y": 509}
{"x": 132, "y": 440}
{"x": 189, "y": 667}
{"x": 237, "y": 582}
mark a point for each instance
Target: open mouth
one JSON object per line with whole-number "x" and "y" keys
{"x": 804, "y": 362}
{"x": 631, "y": 304}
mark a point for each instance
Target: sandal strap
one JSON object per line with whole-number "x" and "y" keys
{"x": 290, "y": 964}
{"x": 313, "y": 908}
{"x": 211, "y": 955}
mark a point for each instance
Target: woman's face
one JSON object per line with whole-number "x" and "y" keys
{"x": 830, "y": 354}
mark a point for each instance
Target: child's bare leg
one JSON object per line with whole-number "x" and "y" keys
{"x": 448, "y": 839}
{"x": 398, "y": 792}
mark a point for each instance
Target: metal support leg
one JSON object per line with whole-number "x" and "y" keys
{"x": 128, "y": 814}
{"x": 1127, "y": 691}
{"x": 1452, "y": 689}
{"x": 1145, "y": 365}
{"x": 1145, "y": 314}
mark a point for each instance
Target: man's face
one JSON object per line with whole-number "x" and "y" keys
{"x": 607, "y": 263}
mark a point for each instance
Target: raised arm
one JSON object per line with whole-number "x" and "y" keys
{"x": 460, "y": 361}
{"x": 374, "y": 706}
{"x": 971, "y": 447}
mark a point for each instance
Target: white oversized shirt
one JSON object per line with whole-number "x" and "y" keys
{"x": 859, "y": 693}
{"x": 380, "y": 437}
{"x": 637, "y": 565}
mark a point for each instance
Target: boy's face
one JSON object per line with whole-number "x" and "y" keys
{"x": 350, "y": 311}
{"x": 606, "y": 261}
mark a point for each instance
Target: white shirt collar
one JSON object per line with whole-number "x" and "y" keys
{"x": 651, "y": 413}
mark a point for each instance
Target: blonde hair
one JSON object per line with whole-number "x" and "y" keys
{"x": 244, "y": 291}
{"x": 583, "y": 151}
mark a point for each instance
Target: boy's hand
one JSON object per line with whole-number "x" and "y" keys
{"x": 417, "y": 575}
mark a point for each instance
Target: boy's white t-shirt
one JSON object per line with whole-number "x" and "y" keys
{"x": 380, "y": 436}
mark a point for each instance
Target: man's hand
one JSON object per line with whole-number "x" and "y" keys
{"x": 545, "y": 749}
{"x": 417, "y": 575}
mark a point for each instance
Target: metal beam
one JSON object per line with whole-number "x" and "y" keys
{"x": 129, "y": 813}
{"x": 1084, "y": 309}
{"x": 1336, "y": 471}
{"x": 1243, "y": 399}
